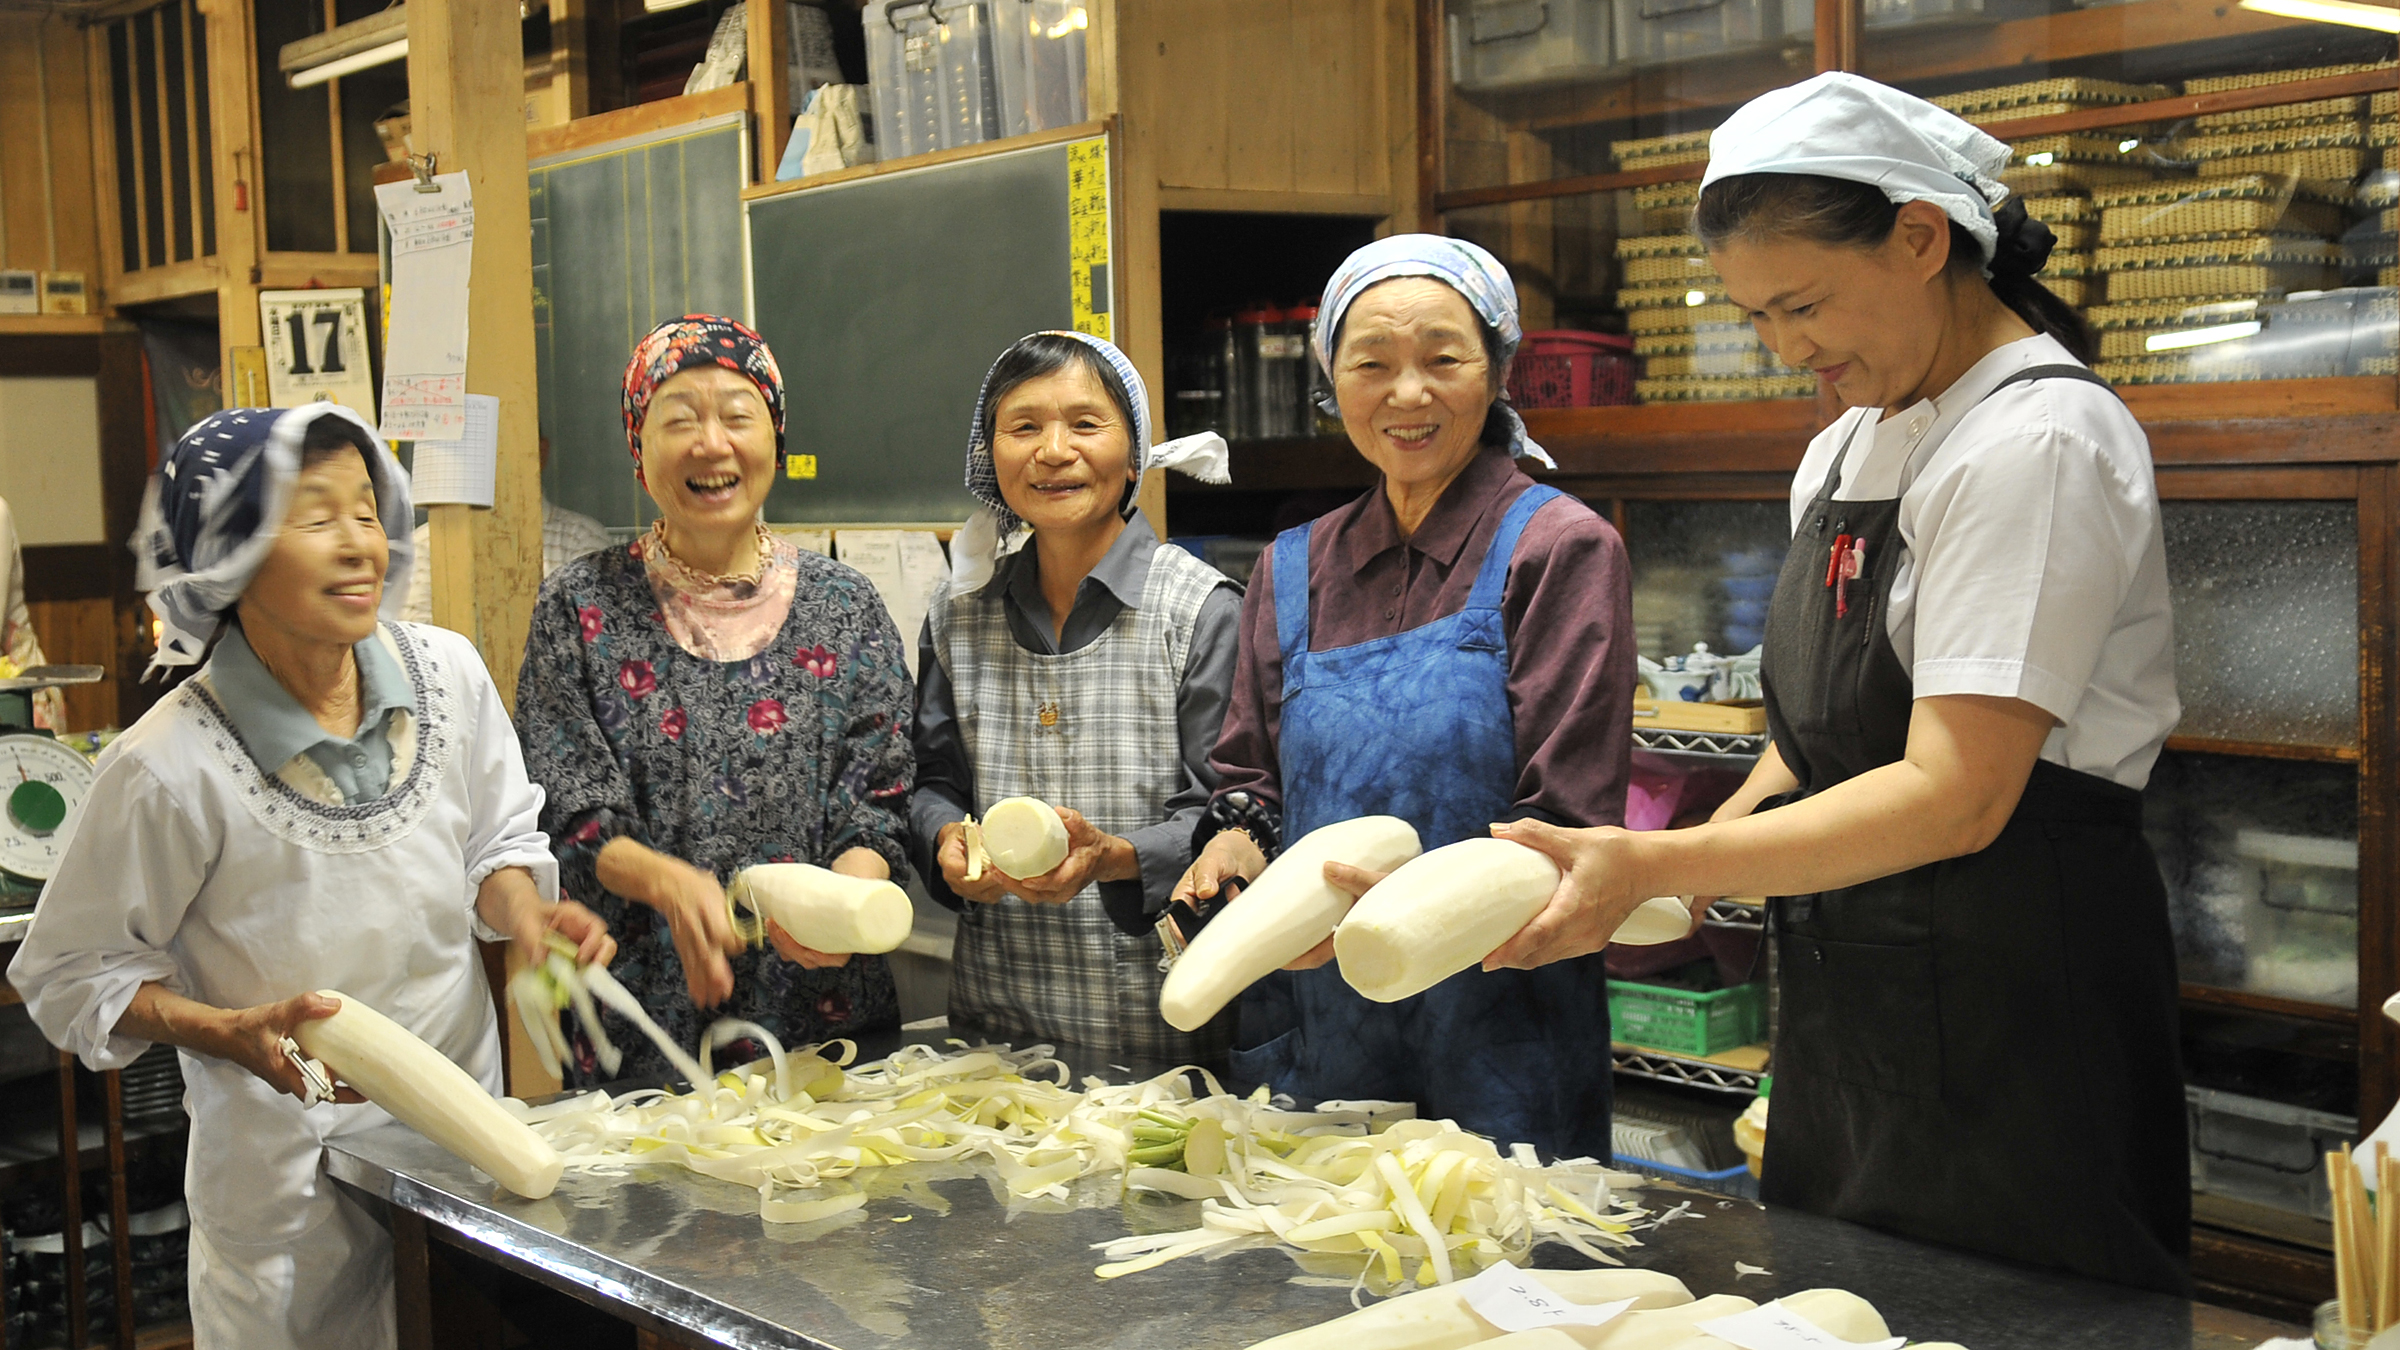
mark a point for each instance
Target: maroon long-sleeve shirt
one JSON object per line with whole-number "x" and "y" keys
{"x": 1567, "y": 614}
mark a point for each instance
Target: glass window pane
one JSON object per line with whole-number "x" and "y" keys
{"x": 2266, "y": 619}
{"x": 1703, "y": 572}
{"x": 2260, "y": 858}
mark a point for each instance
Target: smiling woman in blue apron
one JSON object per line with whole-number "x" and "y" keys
{"x": 1969, "y": 672}
{"x": 1453, "y": 648}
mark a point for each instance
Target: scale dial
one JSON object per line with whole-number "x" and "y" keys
{"x": 42, "y": 784}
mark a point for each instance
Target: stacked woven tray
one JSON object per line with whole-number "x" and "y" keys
{"x": 1667, "y": 207}
{"x": 2045, "y": 98}
{"x": 1692, "y": 352}
{"x": 1658, "y": 152}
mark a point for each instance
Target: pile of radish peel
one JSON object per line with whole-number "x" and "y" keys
{"x": 1360, "y": 1177}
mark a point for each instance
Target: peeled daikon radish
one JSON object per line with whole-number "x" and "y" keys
{"x": 1660, "y": 1328}
{"x": 1839, "y": 1312}
{"x": 1024, "y": 837}
{"x": 1277, "y": 918}
{"x": 1439, "y": 914}
{"x": 391, "y": 1067}
{"x": 1540, "y": 1338}
{"x": 824, "y": 909}
{"x": 1661, "y": 918}
{"x": 1439, "y": 1318}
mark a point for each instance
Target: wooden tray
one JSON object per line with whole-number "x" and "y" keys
{"x": 1748, "y": 718}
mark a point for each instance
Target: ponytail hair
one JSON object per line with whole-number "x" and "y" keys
{"x": 1840, "y": 213}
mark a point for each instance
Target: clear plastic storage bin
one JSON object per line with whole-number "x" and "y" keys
{"x": 1654, "y": 31}
{"x": 1511, "y": 44}
{"x": 933, "y": 74}
{"x": 2262, "y": 1152}
{"x": 2303, "y": 921}
{"x": 1039, "y": 51}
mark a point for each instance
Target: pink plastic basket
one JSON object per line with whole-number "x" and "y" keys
{"x": 1568, "y": 368}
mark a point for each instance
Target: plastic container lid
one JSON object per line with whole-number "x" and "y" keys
{"x": 1259, "y": 314}
{"x": 1559, "y": 341}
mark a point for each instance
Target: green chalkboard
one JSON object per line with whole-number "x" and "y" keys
{"x": 885, "y": 300}
{"x": 625, "y": 235}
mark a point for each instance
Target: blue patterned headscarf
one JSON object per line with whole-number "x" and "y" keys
{"x": 215, "y": 505}
{"x": 994, "y": 531}
{"x": 1464, "y": 268}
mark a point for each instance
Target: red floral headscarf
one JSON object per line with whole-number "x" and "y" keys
{"x": 697, "y": 340}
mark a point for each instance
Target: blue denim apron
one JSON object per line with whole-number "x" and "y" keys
{"x": 1417, "y": 725}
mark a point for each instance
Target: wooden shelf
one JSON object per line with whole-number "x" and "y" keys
{"x": 2211, "y": 745}
{"x": 1944, "y": 51}
{"x": 981, "y": 150}
{"x": 639, "y": 120}
{"x": 2208, "y": 995}
{"x": 53, "y": 325}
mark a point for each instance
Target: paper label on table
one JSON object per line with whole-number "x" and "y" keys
{"x": 425, "y": 341}
{"x": 1514, "y": 1300}
{"x": 1776, "y": 1327}
{"x": 465, "y": 471}
{"x": 903, "y": 565}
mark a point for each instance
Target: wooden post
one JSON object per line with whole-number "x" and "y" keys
{"x": 70, "y": 1179}
{"x": 770, "y": 97}
{"x": 1123, "y": 41}
{"x": 233, "y": 132}
{"x": 120, "y": 1205}
{"x": 466, "y": 81}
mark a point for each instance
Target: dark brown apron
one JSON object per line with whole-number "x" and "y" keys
{"x": 1980, "y": 1052}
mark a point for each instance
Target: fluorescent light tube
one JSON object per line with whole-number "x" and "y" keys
{"x": 350, "y": 65}
{"x": 2383, "y": 18}
{"x": 2201, "y": 337}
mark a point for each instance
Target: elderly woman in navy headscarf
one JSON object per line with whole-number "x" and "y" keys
{"x": 1454, "y": 648}
{"x": 1074, "y": 658}
{"x": 333, "y": 801}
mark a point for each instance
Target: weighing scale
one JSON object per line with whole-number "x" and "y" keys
{"x": 45, "y": 782}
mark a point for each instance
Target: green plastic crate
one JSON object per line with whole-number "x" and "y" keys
{"x": 1686, "y": 1023}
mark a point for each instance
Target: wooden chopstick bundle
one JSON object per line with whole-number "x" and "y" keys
{"x": 2366, "y": 1240}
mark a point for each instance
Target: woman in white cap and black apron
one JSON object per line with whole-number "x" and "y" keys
{"x": 1969, "y": 672}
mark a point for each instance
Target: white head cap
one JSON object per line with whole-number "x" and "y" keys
{"x": 1845, "y": 126}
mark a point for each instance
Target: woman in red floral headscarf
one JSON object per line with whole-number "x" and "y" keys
{"x": 709, "y": 697}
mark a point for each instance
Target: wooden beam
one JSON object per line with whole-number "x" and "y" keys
{"x": 234, "y": 137}
{"x": 641, "y": 119}
{"x": 2378, "y": 822}
{"x": 770, "y": 96}
{"x": 466, "y": 79}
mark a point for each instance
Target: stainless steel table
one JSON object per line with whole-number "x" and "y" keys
{"x": 941, "y": 1259}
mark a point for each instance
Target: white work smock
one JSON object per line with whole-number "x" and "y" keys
{"x": 190, "y": 866}
{"x": 2034, "y": 567}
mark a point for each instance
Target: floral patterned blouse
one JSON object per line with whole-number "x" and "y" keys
{"x": 795, "y": 754}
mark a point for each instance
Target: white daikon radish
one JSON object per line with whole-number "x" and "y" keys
{"x": 1540, "y": 1338}
{"x": 824, "y": 909}
{"x": 1439, "y": 914}
{"x": 418, "y": 1084}
{"x": 1439, "y": 1319}
{"x": 1661, "y": 1328}
{"x": 1661, "y": 918}
{"x": 1024, "y": 837}
{"x": 1277, "y": 918}
{"x": 1839, "y": 1312}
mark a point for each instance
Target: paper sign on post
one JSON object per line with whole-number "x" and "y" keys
{"x": 425, "y": 343}
{"x": 1776, "y": 1327}
{"x": 1514, "y": 1300}
{"x": 463, "y": 472}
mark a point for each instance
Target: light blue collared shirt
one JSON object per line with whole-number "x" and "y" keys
{"x": 274, "y": 727}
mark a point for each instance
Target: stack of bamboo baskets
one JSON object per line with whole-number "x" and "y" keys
{"x": 1695, "y": 345}
{"x": 2261, "y": 220}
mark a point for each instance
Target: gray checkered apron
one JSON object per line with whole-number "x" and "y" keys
{"x": 1093, "y": 730}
